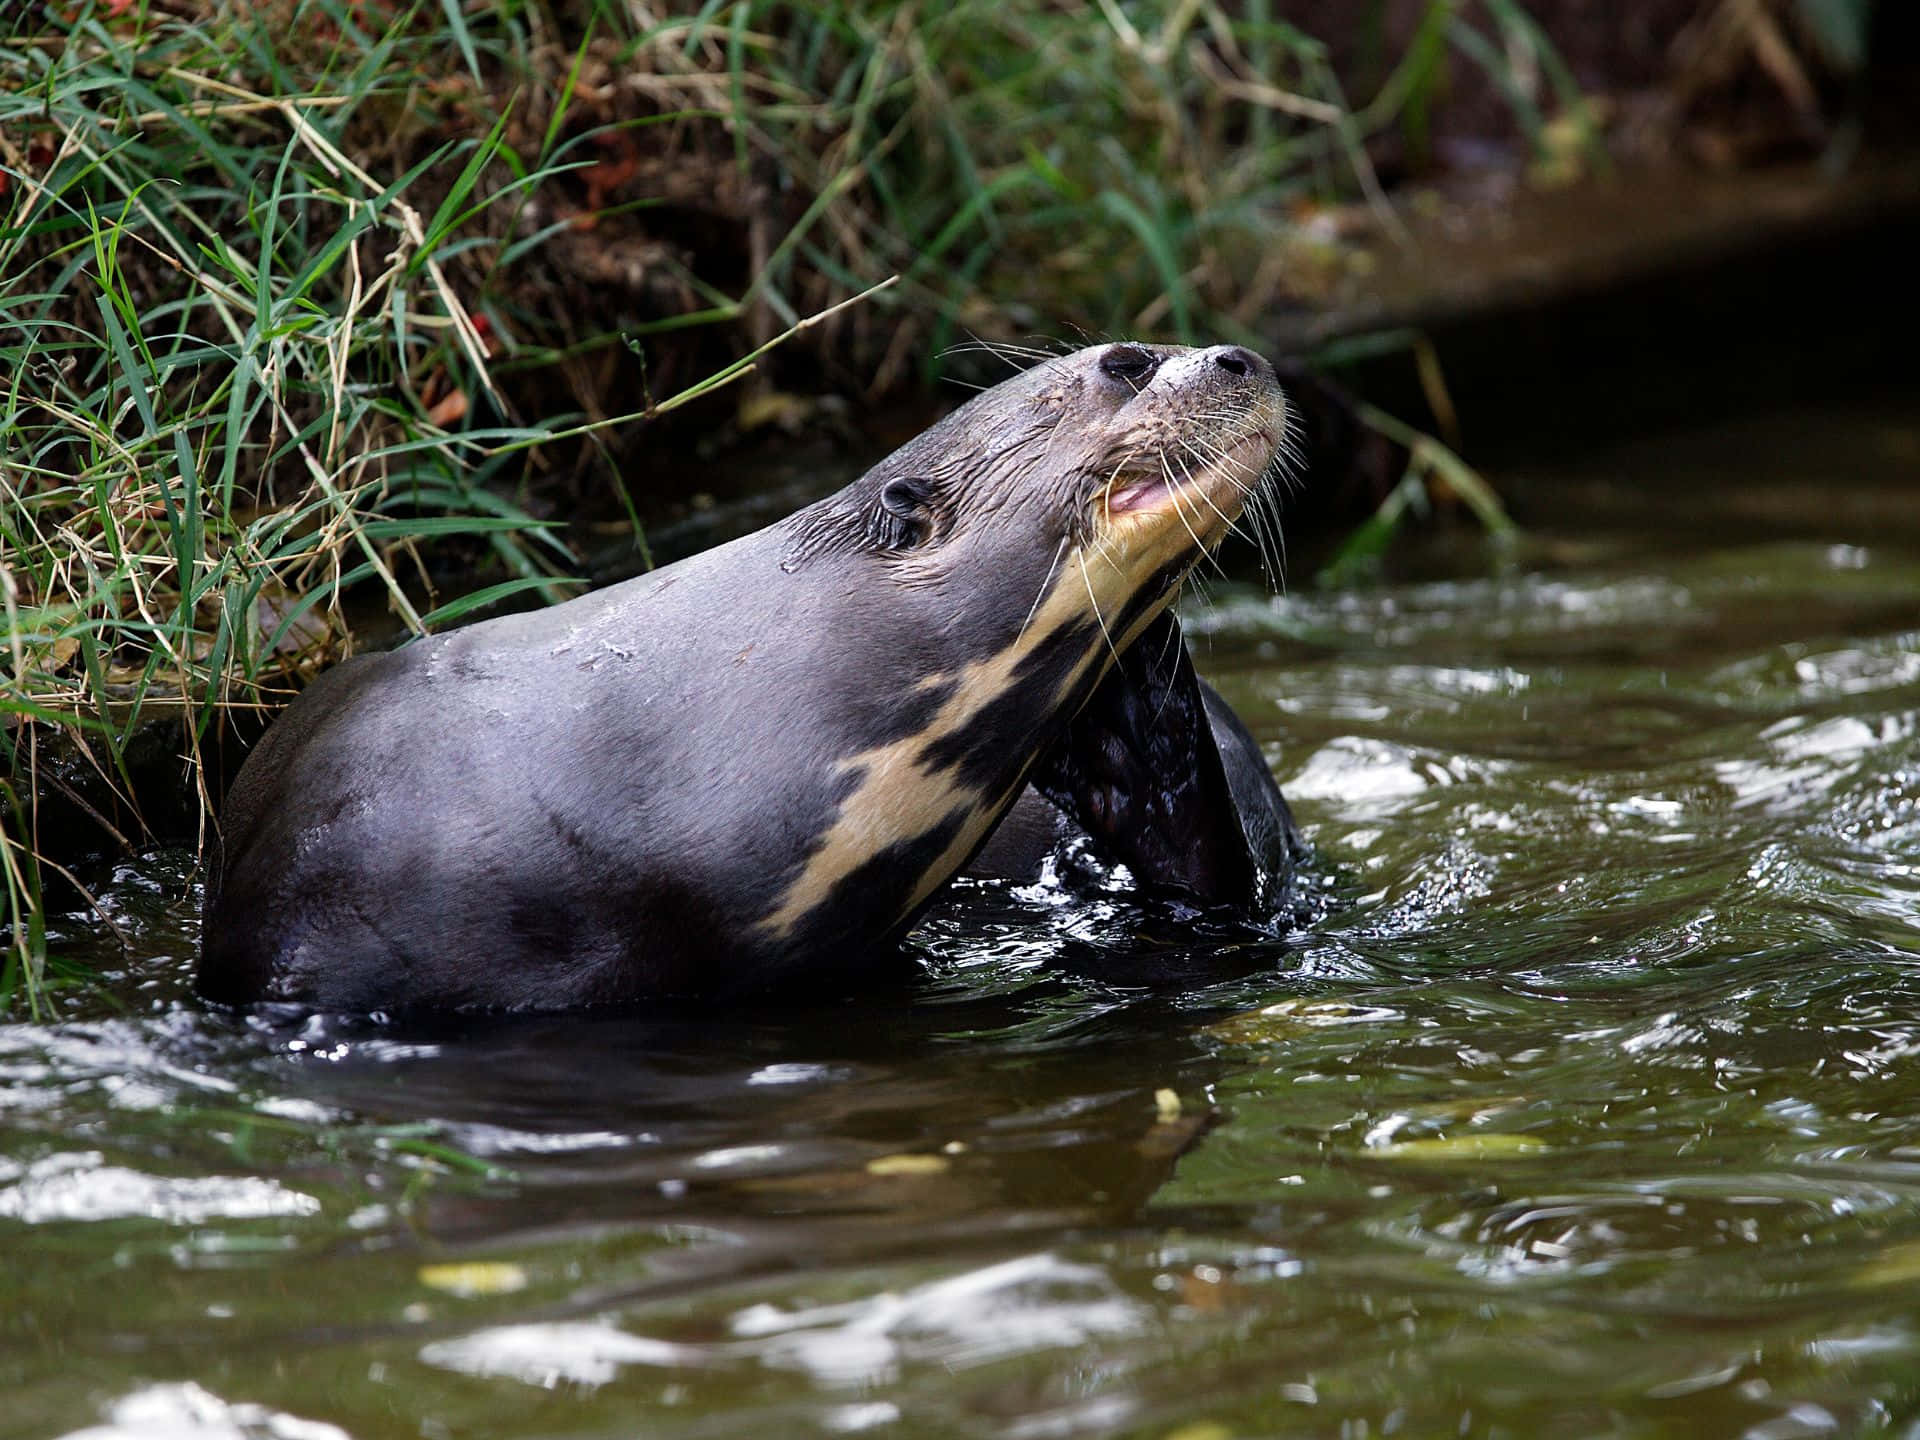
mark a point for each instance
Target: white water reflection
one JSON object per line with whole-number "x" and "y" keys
{"x": 188, "y": 1412}
{"x": 79, "y": 1185}
{"x": 1401, "y": 618}
{"x": 40, "y": 1068}
{"x": 847, "y": 1419}
{"x": 1363, "y": 773}
{"x": 1018, "y": 1307}
{"x": 1038, "y": 1302}
{"x": 583, "y": 1353}
{"x": 1810, "y": 760}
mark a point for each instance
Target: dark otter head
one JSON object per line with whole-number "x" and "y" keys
{"x": 991, "y": 569}
{"x": 1110, "y": 468}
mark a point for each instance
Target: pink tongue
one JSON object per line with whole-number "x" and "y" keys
{"x": 1136, "y": 496}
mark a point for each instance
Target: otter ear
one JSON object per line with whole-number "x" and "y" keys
{"x": 903, "y": 514}
{"x": 1133, "y": 365}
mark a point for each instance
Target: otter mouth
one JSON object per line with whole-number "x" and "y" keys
{"x": 1229, "y": 475}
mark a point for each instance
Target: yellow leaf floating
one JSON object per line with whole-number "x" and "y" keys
{"x": 908, "y": 1165}
{"x": 474, "y": 1278}
{"x": 1201, "y": 1430}
{"x": 1497, "y": 1146}
{"x": 1166, "y": 1105}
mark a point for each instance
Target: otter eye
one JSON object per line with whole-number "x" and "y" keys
{"x": 904, "y": 516}
{"x": 1129, "y": 363}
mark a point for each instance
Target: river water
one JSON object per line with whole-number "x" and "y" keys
{"x": 1586, "y": 1100}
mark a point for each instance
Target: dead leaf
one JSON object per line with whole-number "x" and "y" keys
{"x": 1497, "y": 1146}
{"x": 474, "y": 1278}
{"x": 449, "y": 409}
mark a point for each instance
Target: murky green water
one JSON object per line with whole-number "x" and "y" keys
{"x": 1590, "y": 1104}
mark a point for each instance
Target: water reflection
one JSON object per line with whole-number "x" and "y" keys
{"x": 188, "y": 1412}
{"x": 576, "y": 1353}
{"x": 78, "y": 1185}
{"x": 1031, "y": 1304}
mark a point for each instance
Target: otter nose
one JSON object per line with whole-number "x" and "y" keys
{"x": 1237, "y": 360}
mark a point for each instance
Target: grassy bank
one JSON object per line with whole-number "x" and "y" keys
{"x": 315, "y": 314}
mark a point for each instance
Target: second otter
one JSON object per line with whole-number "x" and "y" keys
{"x": 751, "y": 769}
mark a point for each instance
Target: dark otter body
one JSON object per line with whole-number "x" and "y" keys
{"x": 752, "y": 768}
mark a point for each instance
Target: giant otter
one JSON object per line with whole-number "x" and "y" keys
{"x": 749, "y": 770}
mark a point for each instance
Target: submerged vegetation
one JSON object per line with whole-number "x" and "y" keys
{"x": 310, "y": 309}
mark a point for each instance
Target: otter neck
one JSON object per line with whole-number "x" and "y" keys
{"x": 923, "y": 803}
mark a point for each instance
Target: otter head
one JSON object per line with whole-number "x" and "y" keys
{"x": 991, "y": 570}
{"x": 1102, "y": 474}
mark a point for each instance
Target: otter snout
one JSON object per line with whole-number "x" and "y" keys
{"x": 1136, "y": 365}
{"x": 1237, "y": 360}
{"x": 1232, "y": 368}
